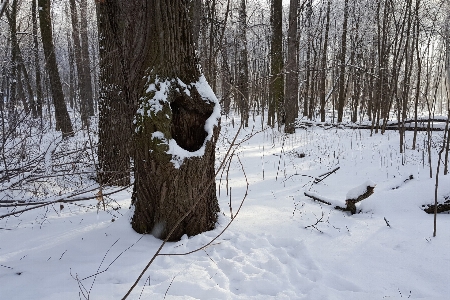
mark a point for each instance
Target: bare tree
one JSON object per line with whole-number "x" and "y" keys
{"x": 166, "y": 186}
{"x": 291, "y": 104}
{"x": 242, "y": 80}
{"x": 276, "y": 102}
{"x": 342, "y": 54}
{"x": 63, "y": 122}
{"x": 121, "y": 70}
{"x": 37, "y": 67}
{"x": 323, "y": 66}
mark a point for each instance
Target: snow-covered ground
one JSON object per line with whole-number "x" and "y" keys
{"x": 281, "y": 244}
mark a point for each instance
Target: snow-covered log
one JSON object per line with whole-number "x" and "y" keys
{"x": 354, "y": 196}
{"x": 441, "y": 207}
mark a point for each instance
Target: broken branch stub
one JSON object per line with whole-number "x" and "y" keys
{"x": 351, "y": 203}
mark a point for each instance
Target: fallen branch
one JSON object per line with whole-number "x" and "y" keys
{"x": 323, "y": 176}
{"x": 317, "y": 197}
{"x": 62, "y": 200}
{"x": 411, "y": 177}
{"x": 318, "y": 178}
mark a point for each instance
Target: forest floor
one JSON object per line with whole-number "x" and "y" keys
{"x": 281, "y": 244}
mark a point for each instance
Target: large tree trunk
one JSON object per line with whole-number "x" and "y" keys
{"x": 119, "y": 48}
{"x": 176, "y": 131}
{"x": 63, "y": 122}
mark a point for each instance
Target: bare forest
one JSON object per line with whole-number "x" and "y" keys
{"x": 146, "y": 109}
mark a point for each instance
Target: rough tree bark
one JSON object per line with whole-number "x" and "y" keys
{"x": 87, "y": 83}
{"x": 323, "y": 65}
{"x": 243, "y": 90}
{"x": 291, "y": 104}
{"x": 81, "y": 87}
{"x": 63, "y": 122}
{"x": 342, "y": 89}
{"x": 307, "y": 81}
{"x": 174, "y": 154}
{"x": 419, "y": 70}
{"x": 12, "y": 103}
{"x": 121, "y": 70}
{"x": 276, "y": 102}
{"x": 37, "y": 67}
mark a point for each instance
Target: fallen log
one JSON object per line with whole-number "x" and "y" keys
{"x": 354, "y": 196}
{"x": 422, "y": 125}
{"x": 441, "y": 207}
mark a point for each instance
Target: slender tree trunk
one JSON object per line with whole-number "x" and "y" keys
{"x": 419, "y": 71}
{"x": 12, "y": 104}
{"x": 324, "y": 65}
{"x": 27, "y": 82}
{"x": 87, "y": 83}
{"x": 81, "y": 73}
{"x": 62, "y": 118}
{"x": 447, "y": 68}
{"x": 227, "y": 81}
{"x": 291, "y": 106}
{"x": 276, "y": 104}
{"x": 37, "y": 66}
{"x": 243, "y": 89}
{"x": 313, "y": 83}
{"x": 72, "y": 81}
{"x": 407, "y": 75}
{"x": 307, "y": 82}
{"x": 342, "y": 91}
{"x": 19, "y": 68}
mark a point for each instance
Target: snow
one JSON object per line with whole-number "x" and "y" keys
{"x": 270, "y": 250}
